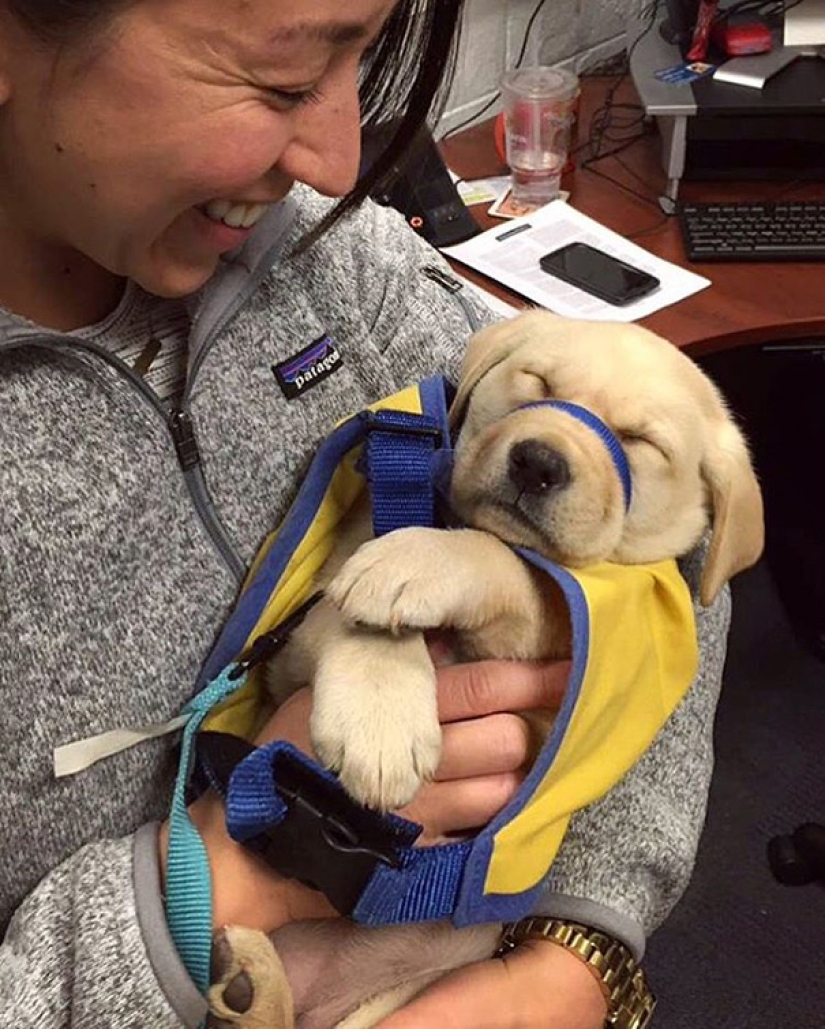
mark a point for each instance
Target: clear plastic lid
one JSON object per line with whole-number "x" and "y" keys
{"x": 555, "y": 84}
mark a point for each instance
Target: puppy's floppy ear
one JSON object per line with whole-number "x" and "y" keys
{"x": 738, "y": 520}
{"x": 487, "y": 348}
{"x": 494, "y": 343}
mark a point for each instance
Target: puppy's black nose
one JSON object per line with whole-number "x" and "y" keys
{"x": 536, "y": 468}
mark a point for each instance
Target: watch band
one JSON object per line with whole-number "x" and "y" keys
{"x": 630, "y": 1002}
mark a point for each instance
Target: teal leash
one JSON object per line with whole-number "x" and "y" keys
{"x": 188, "y": 880}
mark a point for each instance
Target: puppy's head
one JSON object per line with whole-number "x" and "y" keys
{"x": 538, "y": 477}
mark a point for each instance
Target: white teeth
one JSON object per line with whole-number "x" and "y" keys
{"x": 253, "y": 215}
{"x": 217, "y": 209}
{"x": 235, "y": 215}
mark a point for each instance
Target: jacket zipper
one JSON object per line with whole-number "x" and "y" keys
{"x": 183, "y": 436}
{"x": 457, "y": 291}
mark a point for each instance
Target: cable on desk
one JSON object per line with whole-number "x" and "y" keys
{"x": 612, "y": 121}
{"x": 621, "y": 123}
{"x": 625, "y": 124}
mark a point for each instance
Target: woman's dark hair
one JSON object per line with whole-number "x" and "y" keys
{"x": 404, "y": 78}
{"x": 405, "y": 81}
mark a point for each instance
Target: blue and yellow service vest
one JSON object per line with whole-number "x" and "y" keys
{"x": 634, "y": 656}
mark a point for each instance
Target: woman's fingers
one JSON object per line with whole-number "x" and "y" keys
{"x": 483, "y": 746}
{"x": 483, "y": 763}
{"x": 461, "y": 805}
{"x": 489, "y": 687}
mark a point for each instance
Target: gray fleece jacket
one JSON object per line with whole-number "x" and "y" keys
{"x": 122, "y": 546}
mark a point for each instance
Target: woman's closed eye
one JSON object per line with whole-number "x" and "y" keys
{"x": 292, "y": 98}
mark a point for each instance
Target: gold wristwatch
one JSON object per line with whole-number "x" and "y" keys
{"x": 630, "y": 1002}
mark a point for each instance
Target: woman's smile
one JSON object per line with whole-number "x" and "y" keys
{"x": 224, "y": 225}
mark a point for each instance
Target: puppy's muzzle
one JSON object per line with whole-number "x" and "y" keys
{"x": 605, "y": 434}
{"x": 535, "y": 468}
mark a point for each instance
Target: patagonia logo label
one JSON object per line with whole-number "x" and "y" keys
{"x": 308, "y": 367}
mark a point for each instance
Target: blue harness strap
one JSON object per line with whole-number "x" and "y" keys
{"x": 398, "y": 459}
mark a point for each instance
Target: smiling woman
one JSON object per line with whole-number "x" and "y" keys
{"x": 153, "y": 138}
{"x": 180, "y": 229}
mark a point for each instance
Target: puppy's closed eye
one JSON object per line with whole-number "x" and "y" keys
{"x": 534, "y": 386}
{"x": 637, "y": 438}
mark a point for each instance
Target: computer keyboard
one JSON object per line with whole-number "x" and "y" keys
{"x": 791, "y": 231}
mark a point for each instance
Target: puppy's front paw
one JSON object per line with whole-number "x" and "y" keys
{"x": 249, "y": 986}
{"x": 404, "y": 580}
{"x": 375, "y": 720}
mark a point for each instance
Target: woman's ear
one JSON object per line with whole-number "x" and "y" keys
{"x": 738, "y": 518}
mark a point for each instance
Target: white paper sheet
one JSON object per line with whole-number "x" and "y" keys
{"x": 510, "y": 254}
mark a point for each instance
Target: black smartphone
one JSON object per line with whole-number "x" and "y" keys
{"x": 598, "y": 273}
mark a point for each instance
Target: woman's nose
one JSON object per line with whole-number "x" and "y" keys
{"x": 325, "y": 151}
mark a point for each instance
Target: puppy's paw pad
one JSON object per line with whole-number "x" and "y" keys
{"x": 249, "y": 988}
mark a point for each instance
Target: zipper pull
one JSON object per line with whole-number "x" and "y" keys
{"x": 183, "y": 436}
{"x": 443, "y": 279}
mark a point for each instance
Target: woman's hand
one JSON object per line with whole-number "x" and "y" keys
{"x": 486, "y": 744}
{"x": 539, "y": 985}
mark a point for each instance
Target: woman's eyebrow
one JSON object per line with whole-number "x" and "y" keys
{"x": 336, "y": 33}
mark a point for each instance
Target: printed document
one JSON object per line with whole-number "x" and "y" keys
{"x": 510, "y": 254}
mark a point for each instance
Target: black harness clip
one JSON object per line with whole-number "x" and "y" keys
{"x": 326, "y": 840}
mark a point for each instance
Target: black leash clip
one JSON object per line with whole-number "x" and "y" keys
{"x": 269, "y": 643}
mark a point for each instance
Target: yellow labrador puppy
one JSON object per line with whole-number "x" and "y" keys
{"x": 531, "y": 476}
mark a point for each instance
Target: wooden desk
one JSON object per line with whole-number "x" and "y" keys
{"x": 747, "y": 303}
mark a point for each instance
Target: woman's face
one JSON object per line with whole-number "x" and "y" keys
{"x": 156, "y": 150}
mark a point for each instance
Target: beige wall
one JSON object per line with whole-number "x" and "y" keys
{"x": 576, "y": 33}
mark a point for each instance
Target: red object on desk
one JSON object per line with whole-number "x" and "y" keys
{"x": 701, "y": 34}
{"x": 741, "y": 38}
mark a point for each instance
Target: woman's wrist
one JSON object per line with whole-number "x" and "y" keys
{"x": 583, "y": 981}
{"x": 606, "y": 960}
{"x": 245, "y": 891}
{"x": 554, "y": 980}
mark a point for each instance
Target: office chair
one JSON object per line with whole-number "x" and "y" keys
{"x": 799, "y": 858}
